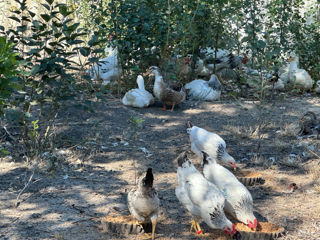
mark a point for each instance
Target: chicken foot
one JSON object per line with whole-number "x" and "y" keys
{"x": 195, "y": 226}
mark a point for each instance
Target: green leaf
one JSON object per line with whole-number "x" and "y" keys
{"x": 45, "y": 17}
{"x": 46, "y": 6}
{"x": 4, "y": 152}
{"x": 49, "y": 1}
{"x": 35, "y": 69}
{"x": 93, "y": 40}
{"x": 32, "y": 14}
{"x": 85, "y": 51}
{"x": 93, "y": 59}
{"x": 16, "y": 12}
{"x": 256, "y": 95}
{"x": 73, "y": 27}
{"x": 74, "y": 42}
{"x": 15, "y": 19}
{"x": 63, "y": 10}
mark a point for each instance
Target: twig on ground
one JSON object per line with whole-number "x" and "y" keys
{"x": 9, "y": 134}
{"x": 27, "y": 184}
{"x": 314, "y": 154}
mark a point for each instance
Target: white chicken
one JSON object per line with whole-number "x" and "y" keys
{"x": 143, "y": 201}
{"x": 202, "y": 199}
{"x": 211, "y": 143}
{"x": 317, "y": 89}
{"x": 107, "y": 69}
{"x": 299, "y": 77}
{"x": 200, "y": 89}
{"x": 138, "y": 97}
{"x": 239, "y": 203}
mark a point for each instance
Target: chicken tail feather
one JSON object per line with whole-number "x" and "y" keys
{"x": 148, "y": 180}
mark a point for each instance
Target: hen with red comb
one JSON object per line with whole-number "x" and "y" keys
{"x": 239, "y": 203}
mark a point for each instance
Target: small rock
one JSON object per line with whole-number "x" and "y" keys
{"x": 35, "y": 215}
{"x": 272, "y": 159}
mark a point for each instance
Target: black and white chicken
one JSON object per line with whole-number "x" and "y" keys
{"x": 202, "y": 198}
{"x": 211, "y": 143}
{"x": 229, "y": 61}
{"x": 239, "y": 203}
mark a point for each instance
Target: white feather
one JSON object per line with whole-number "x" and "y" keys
{"x": 204, "y": 90}
{"x": 107, "y": 69}
{"x": 200, "y": 197}
{"x": 138, "y": 97}
{"x": 299, "y": 76}
{"x": 203, "y": 140}
{"x": 157, "y": 83}
{"x": 234, "y": 191}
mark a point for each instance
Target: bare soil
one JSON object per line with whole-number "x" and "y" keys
{"x": 95, "y": 162}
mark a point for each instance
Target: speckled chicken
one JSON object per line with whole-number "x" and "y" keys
{"x": 307, "y": 123}
{"x": 202, "y": 198}
{"x": 239, "y": 203}
{"x": 143, "y": 201}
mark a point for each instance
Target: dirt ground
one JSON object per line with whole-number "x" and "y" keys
{"x": 95, "y": 162}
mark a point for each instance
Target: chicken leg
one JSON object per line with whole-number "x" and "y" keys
{"x": 195, "y": 226}
{"x": 172, "y": 107}
{"x": 164, "y": 107}
{"x": 154, "y": 223}
{"x": 148, "y": 235}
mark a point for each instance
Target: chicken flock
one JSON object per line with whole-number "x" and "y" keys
{"x": 173, "y": 94}
{"x": 208, "y": 196}
{"x": 214, "y": 194}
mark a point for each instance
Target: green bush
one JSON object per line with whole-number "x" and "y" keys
{"x": 9, "y": 71}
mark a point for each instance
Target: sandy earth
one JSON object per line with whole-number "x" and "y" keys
{"x": 95, "y": 163}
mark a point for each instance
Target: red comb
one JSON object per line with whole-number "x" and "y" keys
{"x": 199, "y": 232}
{"x": 255, "y": 223}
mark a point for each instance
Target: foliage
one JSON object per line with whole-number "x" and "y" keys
{"x": 48, "y": 42}
{"x": 9, "y": 70}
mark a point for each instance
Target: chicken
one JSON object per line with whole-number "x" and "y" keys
{"x": 202, "y": 199}
{"x": 143, "y": 201}
{"x": 298, "y": 76}
{"x": 200, "y": 89}
{"x": 229, "y": 61}
{"x": 317, "y": 89}
{"x": 307, "y": 123}
{"x": 239, "y": 203}
{"x": 211, "y": 143}
{"x": 107, "y": 69}
{"x": 185, "y": 68}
